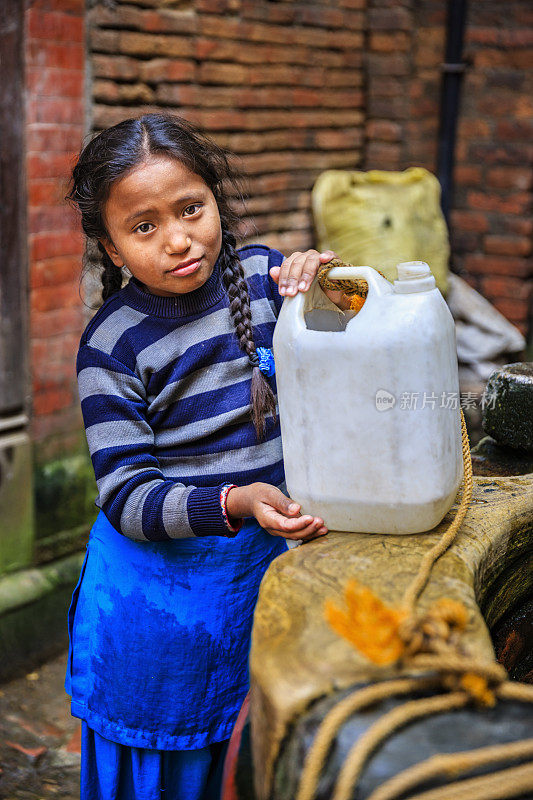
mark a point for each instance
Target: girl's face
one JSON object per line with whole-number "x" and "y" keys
{"x": 163, "y": 224}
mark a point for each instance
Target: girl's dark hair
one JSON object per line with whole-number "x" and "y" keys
{"x": 117, "y": 150}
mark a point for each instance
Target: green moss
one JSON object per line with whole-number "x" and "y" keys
{"x": 65, "y": 490}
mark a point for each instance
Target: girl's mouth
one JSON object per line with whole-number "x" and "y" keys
{"x": 187, "y": 268}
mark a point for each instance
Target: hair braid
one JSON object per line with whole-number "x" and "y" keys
{"x": 111, "y": 275}
{"x": 262, "y": 397}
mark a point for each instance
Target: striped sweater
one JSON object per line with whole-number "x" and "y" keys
{"x": 165, "y": 397}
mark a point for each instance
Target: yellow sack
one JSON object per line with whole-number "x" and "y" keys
{"x": 379, "y": 219}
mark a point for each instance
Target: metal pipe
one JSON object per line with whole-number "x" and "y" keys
{"x": 452, "y": 74}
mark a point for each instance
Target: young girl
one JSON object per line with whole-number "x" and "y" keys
{"x": 179, "y": 412}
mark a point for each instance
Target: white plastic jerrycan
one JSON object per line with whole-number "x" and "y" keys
{"x": 370, "y": 414}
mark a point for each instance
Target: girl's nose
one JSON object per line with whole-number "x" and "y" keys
{"x": 177, "y": 241}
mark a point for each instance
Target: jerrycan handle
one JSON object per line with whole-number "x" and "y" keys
{"x": 292, "y": 311}
{"x": 377, "y": 284}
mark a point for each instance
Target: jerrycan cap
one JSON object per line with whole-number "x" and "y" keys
{"x": 413, "y": 276}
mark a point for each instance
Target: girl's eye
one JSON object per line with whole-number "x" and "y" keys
{"x": 192, "y": 209}
{"x": 144, "y": 227}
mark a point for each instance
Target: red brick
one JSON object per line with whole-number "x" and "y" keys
{"x": 508, "y": 245}
{"x": 512, "y": 37}
{"x": 467, "y": 175}
{"x": 504, "y": 154}
{"x": 43, "y": 192}
{"x": 396, "y": 64}
{"x": 339, "y": 139}
{"x": 384, "y": 130}
{"x": 222, "y": 73}
{"x": 464, "y": 241}
{"x": 521, "y": 227}
{"x": 47, "y": 137}
{"x": 64, "y": 295}
{"x": 49, "y": 245}
{"x": 66, "y": 6}
{"x": 161, "y": 20}
{"x": 53, "y": 271}
{"x": 514, "y": 130}
{"x": 383, "y": 156}
{"x": 53, "y": 109}
{"x": 66, "y": 55}
{"x": 396, "y": 42}
{"x": 516, "y": 311}
{"x": 121, "y": 67}
{"x": 162, "y": 69}
{"x": 469, "y": 221}
{"x": 55, "y": 82}
{"x": 354, "y": 4}
{"x": 50, "y": 165}
{"x": 510, "y": 178}
{"x": 54, "y": 26}
{"x": 474, "y": 128}
{"x": 58, "y": 321}
{"x": 47, "y": 376}
{"x": 56, "y": 350}
{"x": 51, "y": 400}
{"x": 218, "y": 6}
{"x": 112, "y": 92}
{"x": 524, "y": 107}
{"x": 515, "y": 204}
{"x": 497, "y": 265}
{"x": 389, "y": 19}
{"x": 52, "y": 218}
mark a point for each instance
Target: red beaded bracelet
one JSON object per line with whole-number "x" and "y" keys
{"x": 223, "y": 505}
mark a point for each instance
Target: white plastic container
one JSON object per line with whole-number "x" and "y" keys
{"x": 370, "y": 417}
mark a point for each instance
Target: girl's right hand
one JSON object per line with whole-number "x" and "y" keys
{"x": 276, "y": 513}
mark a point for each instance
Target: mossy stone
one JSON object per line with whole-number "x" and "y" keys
{"x": 508, "y": 406}
{"x": 64, "y": 495}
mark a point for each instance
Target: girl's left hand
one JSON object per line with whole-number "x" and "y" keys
{"x": 298, "y": 271}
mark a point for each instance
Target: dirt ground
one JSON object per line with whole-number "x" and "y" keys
{"x": 39, "y": 740}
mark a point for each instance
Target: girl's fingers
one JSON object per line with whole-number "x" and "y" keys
{"x": 299, "y": 270}
{"x": 274, "y": 273}
{"x": 298, "y": 528}
{"x": 308, "y": 533}
{"x": 285, "y": 271}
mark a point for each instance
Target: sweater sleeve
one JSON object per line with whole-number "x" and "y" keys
{"x": 133, "y": 493}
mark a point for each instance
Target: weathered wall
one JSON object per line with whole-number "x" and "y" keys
{"x": 279, "y": 84}
{"x": 491, "y": 222}
{"x": 55, "y": 118}
{"x": 292, "y": 88}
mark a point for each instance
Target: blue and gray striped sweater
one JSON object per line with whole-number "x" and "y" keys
{"x": 165, "y": 397}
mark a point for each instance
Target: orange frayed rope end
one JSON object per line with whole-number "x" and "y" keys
{"x": 387, "y": 635}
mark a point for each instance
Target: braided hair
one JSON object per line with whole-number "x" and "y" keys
{"x": 116, "y": 151}
{"x": 262, "y": 397}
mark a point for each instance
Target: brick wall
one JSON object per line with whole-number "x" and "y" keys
{"x": 492, "y": 220}
{"x": 278, "y": 83}
{"x": 55, "y": 113}
{"x": 491, "y": 224}
{"x": 292, "y": 88}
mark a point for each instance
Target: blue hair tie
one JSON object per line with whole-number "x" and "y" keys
{"x": 266, "y": 360}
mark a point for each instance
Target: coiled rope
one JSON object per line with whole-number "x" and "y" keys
{"x": 428, "y": 642}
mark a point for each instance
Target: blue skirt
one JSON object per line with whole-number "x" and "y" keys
{"x": 160, "y": 635}
{"x": 112, "y": 771}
